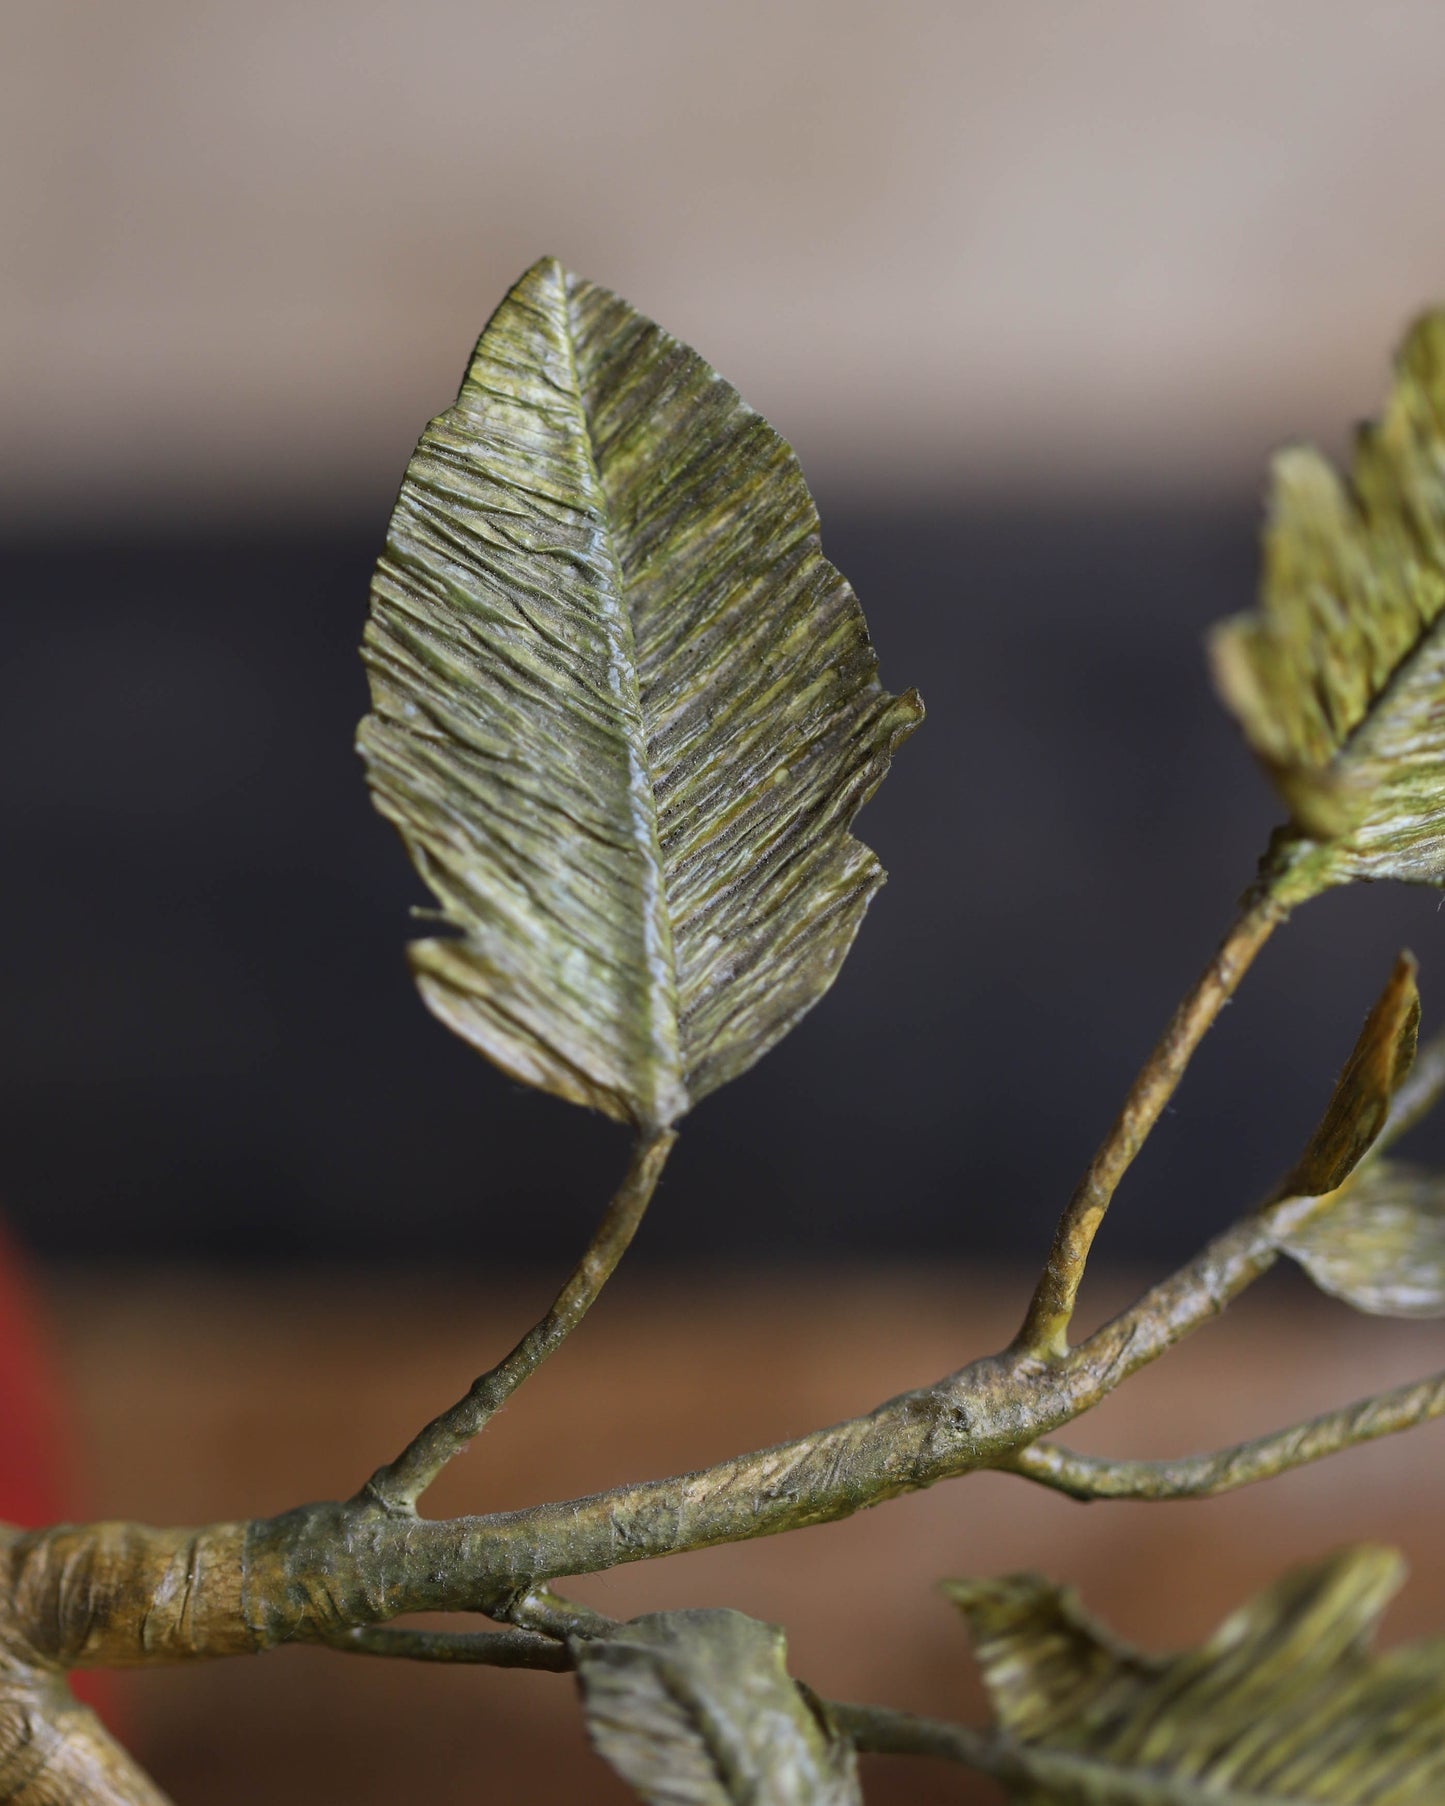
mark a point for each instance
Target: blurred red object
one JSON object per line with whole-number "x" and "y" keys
{"x": 35, "y": 1447}
{"x": 33, "y": 1443}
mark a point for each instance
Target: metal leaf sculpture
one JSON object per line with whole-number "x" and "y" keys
{"x": 1382, "y": 1246}
{"x": 1375, "y": 1236}
{"x": 624, "y": 712}
{"x": 1338, "y": 679}
{"x": 1285, "y": 1702}
{"x": 1360, "y": 1102}
{"x": 696, "y": 1708}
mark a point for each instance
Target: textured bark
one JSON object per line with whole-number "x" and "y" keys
{"x": 56, "y": 1752}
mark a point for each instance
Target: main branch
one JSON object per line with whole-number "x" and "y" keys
{"x": 338, "y": 1573}
{"x": 116, "y": 1595}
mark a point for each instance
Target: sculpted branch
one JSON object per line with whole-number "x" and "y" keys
{"x": 623, "y": 715}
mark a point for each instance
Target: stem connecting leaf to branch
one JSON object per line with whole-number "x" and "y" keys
{"x": 1046, "y": 1328}
{"x": 399, "y": 1484}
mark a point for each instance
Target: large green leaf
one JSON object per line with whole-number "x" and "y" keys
{"x": 1338, "y": 679}
{"x": 696, "y": 1708}
{"x": 1285, "y": 1702}
{"x": 624, "y": 711}
{"x": 1381, "y": 1247}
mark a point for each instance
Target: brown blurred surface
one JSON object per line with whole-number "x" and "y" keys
{"x": 203, "y": 1398}
{"x": 943, "y": 246}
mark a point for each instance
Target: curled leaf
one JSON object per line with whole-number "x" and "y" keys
{"x": 1338, "y": 678}
{"x": 696, "y": 1708}
{"x": 1285, "y": 1702}
{"x": 1382, "y": 1246}
{"x": 623, "y": 712}
{"x": 1379, "y": 1065}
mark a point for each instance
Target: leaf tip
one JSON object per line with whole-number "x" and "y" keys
{"x": 1421, "y": 357}
{"x": 1229, "y": 648}
{"x": 909, "y": 713}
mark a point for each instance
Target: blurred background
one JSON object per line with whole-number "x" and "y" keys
{"x": 1034, "y": 291}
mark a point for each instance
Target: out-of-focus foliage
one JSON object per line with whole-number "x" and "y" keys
{"x": 1338, "y": 679}
{"x": 1285, "y": 1702}
{"x": 1381, "y": 1247}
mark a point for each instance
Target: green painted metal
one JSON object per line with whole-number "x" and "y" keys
{"x": 696, "y": 1708}
{"x": 624, "y": 711}
{"x": 1338, "y": 678}
{"x": 1285, "y": 1702}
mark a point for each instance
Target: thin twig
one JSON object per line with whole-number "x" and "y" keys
{"x": 399, "y": 1485}
{"x": 1193, "y": 1295}
{"x": 1201, "y": 1289}
{"x": 546, "y": 1612}
{"x": 1201, "y": 1476}
{"x": 1046, "y": 1327}
{"x": 1033, "y": 1772}
{"x": 882, "y": 1731}
{"x": 485, "y": 1648}
{"x": 544, "y": 1623}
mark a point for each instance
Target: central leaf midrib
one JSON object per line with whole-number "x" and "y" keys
{"x": 659, "y": 958}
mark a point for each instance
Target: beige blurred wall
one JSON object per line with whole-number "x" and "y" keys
{"x": 945, "y": 246}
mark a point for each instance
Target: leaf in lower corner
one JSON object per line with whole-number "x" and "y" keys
{"x": 1338, "y": 678}
{"x": 1381, "y": 1248}
{"x": 623, "y": 712}
{"x": 696, "y": 1708}
{"x": 1285, "y": 1702}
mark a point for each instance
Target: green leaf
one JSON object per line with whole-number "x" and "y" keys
{"x": 1285, "y": 1702}
{"x": 1382, "y": 1246}
{"x": 1338, "y": 679}
{"x": 624, "y": 712}
{"x": 1376, "y": 1069}
{"x": 1380, "y": 1242}
{"x": 695, "y": 1708}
